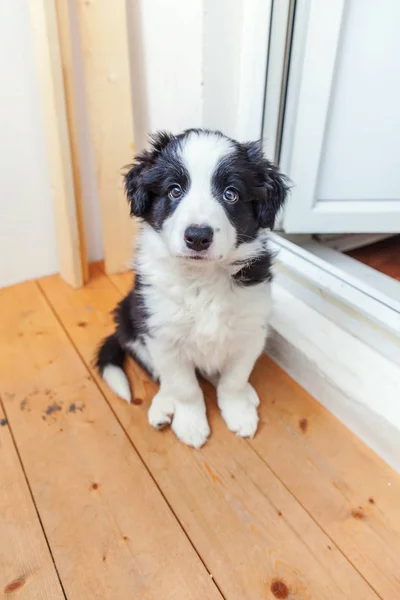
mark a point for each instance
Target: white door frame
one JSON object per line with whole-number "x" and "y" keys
{"x": 280, "y": 39}
{"x": 315, "y": 48}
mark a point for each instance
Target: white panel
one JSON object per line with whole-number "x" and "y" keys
{"x": 27, "y": 234}
{"x": 171, "y": 55}
{"x": 198, "y": 63}
{"x": 221, "y": 55}
{"x": 336, "y": 123}
{"x": 235, "y": 48}
{"x": 360, "y": 160}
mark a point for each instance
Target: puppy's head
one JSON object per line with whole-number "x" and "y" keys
{"x": 207, "y": 195}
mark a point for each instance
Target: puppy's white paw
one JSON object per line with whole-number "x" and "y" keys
{"x": 190, "y": 424}
{"x": 161, "y": 411}
{"x": 252, "y": 395}
{"x": 239, "y": 410}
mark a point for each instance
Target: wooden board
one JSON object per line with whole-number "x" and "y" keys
{"x": 345, "y": 486}
{"x": 383, "y": 256}
{"x": 111, "y": 533}
{"x": 66, "y": 51}
{"x": 104, "y": 41}
{"x": 26, "y": 568}
{"x": 251, "y": 533}
{"x": 71, "y": 252}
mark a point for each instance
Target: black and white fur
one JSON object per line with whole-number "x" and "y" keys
{"x": 201, "y": 300}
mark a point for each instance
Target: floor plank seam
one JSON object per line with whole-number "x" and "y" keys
{"x": 315, "y": 521}
{"x": 86, "y": 366}
{"x": 32, "y": 497}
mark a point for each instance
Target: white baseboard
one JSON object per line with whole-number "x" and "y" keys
{"x": 352, "y": 380}
{"x": 358, "y": 299}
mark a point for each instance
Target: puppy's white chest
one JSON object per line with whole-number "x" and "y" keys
{"x": 209, "y": 315}
{"x": 207, "y": 320}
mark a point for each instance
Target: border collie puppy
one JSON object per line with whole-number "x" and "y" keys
{"x": 202, "y": 298}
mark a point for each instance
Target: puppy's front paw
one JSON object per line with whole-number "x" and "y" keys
{"x": 161, "y": 411}
{"x": 239, "y": 410}
{"x": 190, "y": 424}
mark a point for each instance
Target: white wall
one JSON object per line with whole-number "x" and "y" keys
{"x": 27, "y": 234}
{"x": 193, "y": 64}
{"x": 198, "y": 63}
{"x": 169, "y": 46}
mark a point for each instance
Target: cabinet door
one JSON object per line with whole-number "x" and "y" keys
{"x": 341, "y": 133}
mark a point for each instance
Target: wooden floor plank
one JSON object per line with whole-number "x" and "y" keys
{"x": 249, "y": 530}
{"x": 383, "y": 256}
{"x": 111, "y": 533}
{"x": 26, "y": 566}
{"x": 352, "y": 493}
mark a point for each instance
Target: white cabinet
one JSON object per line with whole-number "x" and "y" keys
{"x": 341, "y": 132}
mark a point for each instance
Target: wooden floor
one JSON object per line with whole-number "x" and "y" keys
{"x": 96, "y": 505}
{"x": 383, "y": 256}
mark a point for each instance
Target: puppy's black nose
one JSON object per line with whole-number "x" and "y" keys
{"x": 198, "y": 237}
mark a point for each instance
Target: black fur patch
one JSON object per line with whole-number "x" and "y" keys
{"x": 130, "y": 317}
{"x": 110, "y": 352}
{"x": 149, "y": 179}
{"x": 233, "y": 171}
{"x": 273, "y": 185}
{"x": 256, "y": 271}
{"x": 262, "y": 189}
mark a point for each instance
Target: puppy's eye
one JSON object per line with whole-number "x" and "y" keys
{"x": 231, "y": 195}
{"x": 175, "y": 192}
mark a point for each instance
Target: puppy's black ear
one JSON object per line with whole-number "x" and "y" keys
{"x": 272, "y": 185}
{"x": 138, "y": 177}
{"x": 136, "y": 190}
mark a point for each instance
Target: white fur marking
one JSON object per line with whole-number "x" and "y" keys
{"x": 190, "y": 424}
{"x": 161, "y": 411}
{"x": 201, "y": 156}
{"x": 140, "y": 350}
{"x": 239, "y": 411}
{"x": 117, "y": 381}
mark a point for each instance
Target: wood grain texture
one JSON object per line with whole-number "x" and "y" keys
{"x": 49, "y": 70}
{"x": 104, "y": 41}
{"x": 344, "y": 485}
{"x": 26, "y": 566}
{"x": 251, "y": 533}
{"x": 112, "y": 534}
